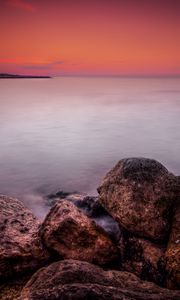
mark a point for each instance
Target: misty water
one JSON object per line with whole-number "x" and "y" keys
{"x": 66, "y": 133}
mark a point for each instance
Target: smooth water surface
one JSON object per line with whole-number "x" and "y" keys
{"x": 66, "y": 133}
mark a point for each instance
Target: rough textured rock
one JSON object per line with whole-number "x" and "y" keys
{"x": 139, "y": 256}
{"x": 20, "y": 247}
{"x": 11, "y": 289}
{"x": 73, "y": 235}
{"x": 91, "y": 207}
{"x": 142, "y": 257}
{"x": 139, "y": 194}
{"x": 173, "y": 251}
{"x": 70, "y": 279}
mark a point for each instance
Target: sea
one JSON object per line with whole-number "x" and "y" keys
{"x": 66, "y": 133}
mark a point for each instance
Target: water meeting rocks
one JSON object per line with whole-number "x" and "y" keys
{"x": 75, "y": 280}
{"x": 20, "y": 247}
{"x": 139, "y": 193}
{"x": 70, "y": 233}
{"x": 133, "y": 226}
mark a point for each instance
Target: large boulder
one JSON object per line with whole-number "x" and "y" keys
{"x": 75, "y": 280}
{"x": 139, "y": 193}
{"x": 173, "y": 250}
{"x": 21, "y": 249}
{"x": 72, "y": 234}
{"x": 142, "y": 257}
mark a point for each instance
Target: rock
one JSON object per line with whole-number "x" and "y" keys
{"x": 142, "y": 257}
{"x": 139, "y": 193}
{"x": 173, "y": 251}
{"x": 11, "y": 289}
{"x": 90, "y": 206}
{"x": 20, "y": 248}
{"x": 75, "y": 280}
{"x": 73, "y": 235}
{"x": 93, "y": 209}
{"x": 60, "y": 194}
{"x": 53, "y": 198}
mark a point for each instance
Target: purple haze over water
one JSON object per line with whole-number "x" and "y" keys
{"x": 66, "y": 133}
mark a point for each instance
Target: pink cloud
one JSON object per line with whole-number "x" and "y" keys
{"x": 21, "y": 4}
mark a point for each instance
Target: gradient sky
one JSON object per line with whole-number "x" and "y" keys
{"x": 93, "y": 37}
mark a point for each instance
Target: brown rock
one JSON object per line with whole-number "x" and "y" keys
{"x": 75, "y": 280}
{"x": 142, "y": 257}
{"x": 173, "y": 251}
{"x": 20, "y": 247}
{"x": 139, "y": 194}
{"x": 11, "y": 289}
{"x": 73, "y": 235}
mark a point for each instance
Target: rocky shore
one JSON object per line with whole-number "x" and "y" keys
{"x": 123, "y": 244}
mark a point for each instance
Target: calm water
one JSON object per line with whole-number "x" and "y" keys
{"x": 66, "y": 133}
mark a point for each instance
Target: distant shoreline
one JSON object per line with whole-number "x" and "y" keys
{"x": 14, "y": 76}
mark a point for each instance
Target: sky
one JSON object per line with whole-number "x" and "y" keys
{"x": 93, "y": 37}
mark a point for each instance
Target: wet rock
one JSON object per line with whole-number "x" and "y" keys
{"x": 53, "y": 198}
{"x": 72, "y": 234}
{"x": 20, "y": 247}
{"x": 91, "y": 206}
{"x": 93, "y": 209}
{"x": 75, "y": 280}
{"x": 139, "y": 193}
{"x": 142, "y": 257}
{"x": 59, "y": 194}
{"x": 173, "y": 251}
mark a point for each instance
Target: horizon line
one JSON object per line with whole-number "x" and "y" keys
{"x": 160, "y": 75}
{"x": 119, "y": 75}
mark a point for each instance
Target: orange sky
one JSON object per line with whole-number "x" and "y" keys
{"x": 95, "y": 37}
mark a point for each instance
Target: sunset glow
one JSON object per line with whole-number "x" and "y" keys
{"x": 68, "y": 37}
